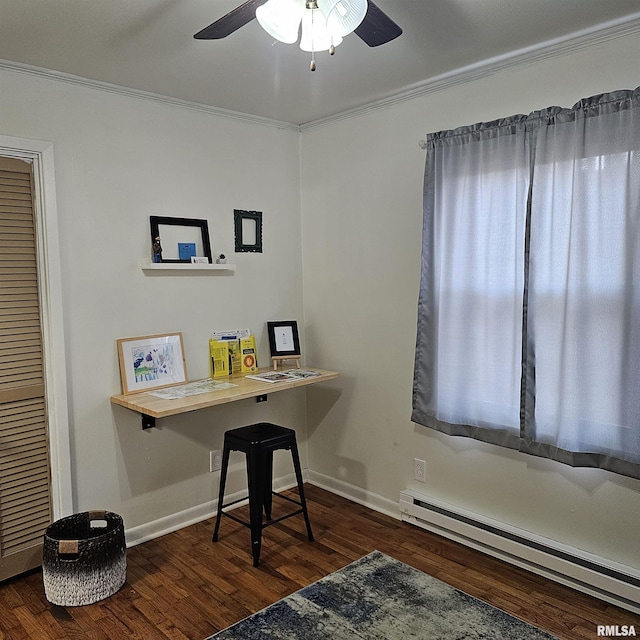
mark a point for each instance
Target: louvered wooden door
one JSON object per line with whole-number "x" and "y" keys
{"x": 25, "y": 494}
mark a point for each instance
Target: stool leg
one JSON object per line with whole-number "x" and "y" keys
{"x": 255, "y": 474}
{"x": 223, "y": 482}
{"x": 303, "y": 502}
{"x": 267, "y": 483}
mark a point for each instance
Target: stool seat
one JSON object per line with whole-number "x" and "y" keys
{"x": 258, "y": 442}
{"x": 263, "y": 434}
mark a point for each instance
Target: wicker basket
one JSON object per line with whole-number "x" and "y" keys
{"x": 84, "y": 558}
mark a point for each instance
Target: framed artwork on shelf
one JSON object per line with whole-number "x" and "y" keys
{"x": 177, "y": 239}
{"x": 151, "y": 362}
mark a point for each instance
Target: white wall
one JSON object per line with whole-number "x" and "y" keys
{"x": 120, "y": 159}
{"x": 362, "y": 220}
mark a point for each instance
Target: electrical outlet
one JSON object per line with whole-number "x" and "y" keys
{"x": 215, "y": 460}
{"x": 419, "y": 470}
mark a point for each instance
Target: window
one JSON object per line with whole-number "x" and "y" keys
{"x": 528, "y": 332}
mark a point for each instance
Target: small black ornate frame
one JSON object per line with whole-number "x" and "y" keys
{"x": 157, "y": 221}
{"x": 241, "y": 244}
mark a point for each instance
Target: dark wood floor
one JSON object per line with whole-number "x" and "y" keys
{"x": 182, "y": 585}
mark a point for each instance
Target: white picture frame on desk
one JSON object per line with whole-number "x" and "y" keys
{"x": 151, "y": 362}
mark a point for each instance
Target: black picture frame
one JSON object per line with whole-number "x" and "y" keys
{"x": 242, "y": 243}
{"x": 157, "y": 221}
{"x": 284, "y": 340}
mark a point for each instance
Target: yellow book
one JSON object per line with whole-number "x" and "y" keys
{"x": 235, "y": 356}
{"x": 219, "y": 358}
{"x": 249, "y": 355}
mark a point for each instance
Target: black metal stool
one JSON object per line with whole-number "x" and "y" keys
{"x": 258, "y": 442}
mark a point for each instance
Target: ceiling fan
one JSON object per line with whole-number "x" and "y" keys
{"x": 324, "y": 22}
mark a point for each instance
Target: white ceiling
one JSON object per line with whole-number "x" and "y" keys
{"x": 148, "y": 45}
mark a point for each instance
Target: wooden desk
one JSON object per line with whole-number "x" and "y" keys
{"x": 152, "y": 407}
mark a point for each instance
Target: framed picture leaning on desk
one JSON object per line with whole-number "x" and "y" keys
{"x": 151, "y": 362}
{"x": 284, "y": 341}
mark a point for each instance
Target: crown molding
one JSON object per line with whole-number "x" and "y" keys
{"x": 630, "y": 25}
{"x": 68, "y": 78}
{"x": 542, "y": 51}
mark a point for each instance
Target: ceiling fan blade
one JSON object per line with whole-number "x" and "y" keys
{"x": 377, "y": 28}
{"x": 235, "y": 19}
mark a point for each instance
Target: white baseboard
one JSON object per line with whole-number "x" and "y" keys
{"x": 355, "y": 494}
{"x": 168, "y": 524}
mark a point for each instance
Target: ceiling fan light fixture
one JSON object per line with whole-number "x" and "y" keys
{"x": 281, "y": 19}
{"x": 315, "y": 35}
{"x": 343, "y": 16}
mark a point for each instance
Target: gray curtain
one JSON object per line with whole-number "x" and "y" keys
{"x": 528, "y": 315}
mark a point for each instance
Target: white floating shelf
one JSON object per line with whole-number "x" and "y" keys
{"x": 186, "y": 268}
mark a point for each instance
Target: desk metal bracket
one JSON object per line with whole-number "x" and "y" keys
{"x": 148, "y": 422}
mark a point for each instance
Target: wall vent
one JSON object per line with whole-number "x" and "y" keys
{"x": 609, "y": 581}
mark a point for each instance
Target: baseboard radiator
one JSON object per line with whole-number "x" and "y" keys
{"x": 612, "y": 582}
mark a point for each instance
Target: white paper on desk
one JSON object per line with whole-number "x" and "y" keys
{"x": 284, "y": 376}
{"x": 271, "y": 376}
{"x": 302, "y": 373}
{"x": 191, "y": 389}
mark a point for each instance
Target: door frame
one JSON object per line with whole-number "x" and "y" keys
{"x": 40, "y": 154}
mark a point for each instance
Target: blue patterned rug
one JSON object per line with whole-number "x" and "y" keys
{"x": 379, "y": 598}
